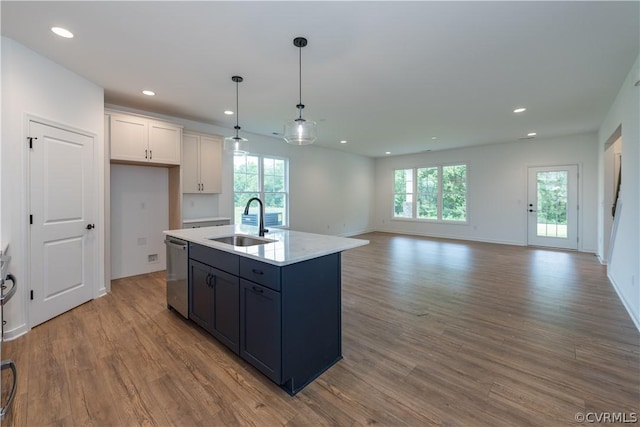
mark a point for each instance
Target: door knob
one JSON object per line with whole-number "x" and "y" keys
{"x": 90, "y": 226}
{"x": 531, "y": 210}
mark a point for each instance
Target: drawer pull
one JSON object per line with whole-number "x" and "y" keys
{"x": 257, "y": 289}
{"x": 260, "y": 272}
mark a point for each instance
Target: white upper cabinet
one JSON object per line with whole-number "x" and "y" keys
{"x": 141, "y": 140}
{"x": 164, "y": 143}
{"x": 201, "y": 163}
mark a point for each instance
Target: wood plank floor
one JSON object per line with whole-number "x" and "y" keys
{"x": 435, "y": 332}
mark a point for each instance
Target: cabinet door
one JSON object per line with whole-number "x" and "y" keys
{"x": 200, "y": 294}
{"x": 210, "y": 164}
{"x": 260, "y": 328}
{"x": 164, "y": 143}
{"x": 129, "y": 138}
{"x": 190, "y": 163}
{"x": 226, "y": 310}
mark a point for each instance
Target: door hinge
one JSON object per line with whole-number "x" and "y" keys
{"x": 30, "y": 219}
{"x": 32, "y": 295}
{"x": 31, "y": 138}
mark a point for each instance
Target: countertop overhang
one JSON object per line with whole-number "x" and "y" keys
{"x": 289, "y": 247}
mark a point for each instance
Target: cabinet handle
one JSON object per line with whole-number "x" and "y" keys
{"x": 257, "y": 289}
{"x": 150, "y": 154}
{"x": 145, "y": 154}
{"x": 259, "y": 272}
{"x": 208, "y": 280}
{"x": 9, "y": 364}
{"x": 7, "y": 296}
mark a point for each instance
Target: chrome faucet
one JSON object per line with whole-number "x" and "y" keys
{"x": 261, "y": 229}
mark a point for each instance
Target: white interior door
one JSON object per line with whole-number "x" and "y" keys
{"x": 62, "y": 244}
{"x": 553, "y": 206}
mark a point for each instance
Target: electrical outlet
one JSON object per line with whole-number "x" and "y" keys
{"x": 153, "y": 258}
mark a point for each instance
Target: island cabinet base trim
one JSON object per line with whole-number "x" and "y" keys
{"x": 292, "y": 387}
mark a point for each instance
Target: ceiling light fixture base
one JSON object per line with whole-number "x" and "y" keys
{"x": 299, "y": 42}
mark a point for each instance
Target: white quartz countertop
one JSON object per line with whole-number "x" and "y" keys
{"x": 289, "y": 246}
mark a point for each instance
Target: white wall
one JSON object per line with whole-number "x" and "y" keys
{"x": 139, "y": 215}
{"x": 331, "y": 192}
{"x": 624, "y": 266}
{"x": 34, "y": 85}
{"x": 497, "y": 188}
{"x": 197, "y": 206}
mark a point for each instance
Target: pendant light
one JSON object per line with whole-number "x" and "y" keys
{"x": 235, "y": 144}
{"x": 300, "y": 131}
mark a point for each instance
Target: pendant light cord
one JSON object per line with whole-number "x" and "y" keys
{"x": 300, "y": 107}
{"x": 237, "y": 110}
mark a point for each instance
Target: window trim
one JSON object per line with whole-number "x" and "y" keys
{"x": 414, "y": 209}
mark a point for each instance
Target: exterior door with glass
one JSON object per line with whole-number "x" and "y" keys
{"x": 552, "y": 206}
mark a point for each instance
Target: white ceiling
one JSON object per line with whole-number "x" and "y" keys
{"x": 386, "y": 76}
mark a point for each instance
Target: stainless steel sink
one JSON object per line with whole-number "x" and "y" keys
{"x": 241, "y": 240}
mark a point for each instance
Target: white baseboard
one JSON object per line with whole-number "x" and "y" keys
{"x": 444, "y": 236}
{"x": 626, "y": 305}
{"x": 16, "y": 332}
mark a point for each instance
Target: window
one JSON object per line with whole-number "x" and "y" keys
{"x": 404, "y": 193}
{"x": 266, "y": 178}
{"x": 441, "y": 193}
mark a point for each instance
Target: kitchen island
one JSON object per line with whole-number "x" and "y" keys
{"x": 275, "y": 302}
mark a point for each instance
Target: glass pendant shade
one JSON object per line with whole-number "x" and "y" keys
{"x": 300, "y": 132}
{"x": 236, "y": 145}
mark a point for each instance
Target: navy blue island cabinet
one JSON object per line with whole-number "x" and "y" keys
{"x": 283, "y": 320}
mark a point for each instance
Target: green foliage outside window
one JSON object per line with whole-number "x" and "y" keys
{"x": 441, "y": 193}
{"x": 263, "y": 177}
{"x": 454, "y": 193}
{"x": 403, "y": 193}
{"x": 552, "y": 197}
{"x": 428, "y": 193}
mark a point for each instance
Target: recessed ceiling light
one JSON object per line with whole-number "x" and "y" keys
{"x": 520, "y": 110}
{"x": 344, "y": 141}
{"x": 62, "y": 32}
{"x": 148, "y": 92}
{"x": 387, "y": 152}
{"x": 228, "y": 112}
{"x": 434, "y": 138}
{"x": 531, "y": 134}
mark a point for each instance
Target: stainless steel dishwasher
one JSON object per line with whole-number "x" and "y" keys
{"x": 177, "y": 272}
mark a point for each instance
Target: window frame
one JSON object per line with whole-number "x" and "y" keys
{"x": 440, "y": 204}
{"x": 261, "y": 187}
